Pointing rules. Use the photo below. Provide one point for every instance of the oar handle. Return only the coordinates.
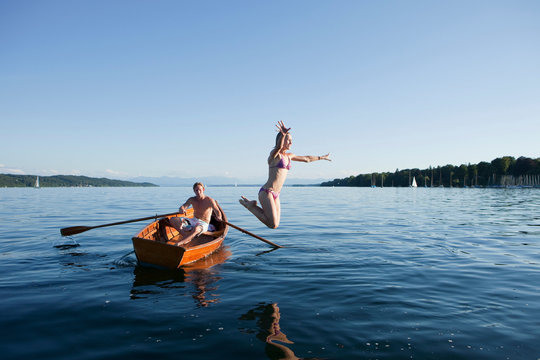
(255, 236)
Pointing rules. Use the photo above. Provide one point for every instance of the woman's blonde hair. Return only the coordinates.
(279, 138)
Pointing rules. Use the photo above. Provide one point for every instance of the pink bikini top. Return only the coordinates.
(281, 163)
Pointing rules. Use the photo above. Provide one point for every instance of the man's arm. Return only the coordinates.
(217, 211)
(186, 205)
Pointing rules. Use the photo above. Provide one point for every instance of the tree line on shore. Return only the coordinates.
(503, 171)
(10, 180)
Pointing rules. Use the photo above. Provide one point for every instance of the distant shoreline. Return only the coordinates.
(33, 181)
(504, 172)
(73, 181)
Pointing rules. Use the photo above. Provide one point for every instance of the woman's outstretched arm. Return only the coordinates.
(310, 158)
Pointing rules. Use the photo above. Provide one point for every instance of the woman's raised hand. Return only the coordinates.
(326, 157)
(282, 128)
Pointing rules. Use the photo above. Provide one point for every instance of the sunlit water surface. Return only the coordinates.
(389, 273)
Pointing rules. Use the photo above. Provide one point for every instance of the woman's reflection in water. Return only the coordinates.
(202, 274)
(267, 317)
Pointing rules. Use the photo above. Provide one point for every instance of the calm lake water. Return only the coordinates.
(393, 273)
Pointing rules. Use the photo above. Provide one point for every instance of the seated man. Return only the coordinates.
(203, 206)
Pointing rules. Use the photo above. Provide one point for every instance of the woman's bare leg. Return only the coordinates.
(278, 210)
(270, 208)
(267, 213)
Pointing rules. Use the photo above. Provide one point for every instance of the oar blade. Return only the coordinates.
(74, 230)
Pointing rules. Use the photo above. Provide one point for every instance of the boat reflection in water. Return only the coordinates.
(202, 274)
(267, 318)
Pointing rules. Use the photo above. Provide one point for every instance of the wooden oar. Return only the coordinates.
(79, 229)
(251, 234)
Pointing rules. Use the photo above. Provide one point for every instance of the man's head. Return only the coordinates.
(198, 189)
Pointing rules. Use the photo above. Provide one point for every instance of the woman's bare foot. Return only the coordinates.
(248, 204)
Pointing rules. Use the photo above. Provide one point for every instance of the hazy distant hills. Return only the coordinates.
(217, 180)
(177, 181)
(10, 180)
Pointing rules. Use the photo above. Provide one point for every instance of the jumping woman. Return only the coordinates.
(279, 163)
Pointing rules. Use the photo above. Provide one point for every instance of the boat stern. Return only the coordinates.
(157, 254)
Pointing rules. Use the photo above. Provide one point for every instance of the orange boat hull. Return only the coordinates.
(154, 253)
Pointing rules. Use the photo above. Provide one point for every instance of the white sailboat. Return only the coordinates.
(37, 183)
(414, 182)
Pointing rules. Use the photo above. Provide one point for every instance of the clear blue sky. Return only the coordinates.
(193, 88)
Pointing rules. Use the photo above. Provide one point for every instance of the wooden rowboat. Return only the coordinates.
(153, 251)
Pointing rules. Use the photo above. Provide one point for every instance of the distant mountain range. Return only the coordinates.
(217, 181)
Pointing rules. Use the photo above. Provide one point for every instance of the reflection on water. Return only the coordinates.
(66, 246)
(267, 251)
(149, 281)
(267, 318)
(203, 274)
(72, 257)
(62, 243)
